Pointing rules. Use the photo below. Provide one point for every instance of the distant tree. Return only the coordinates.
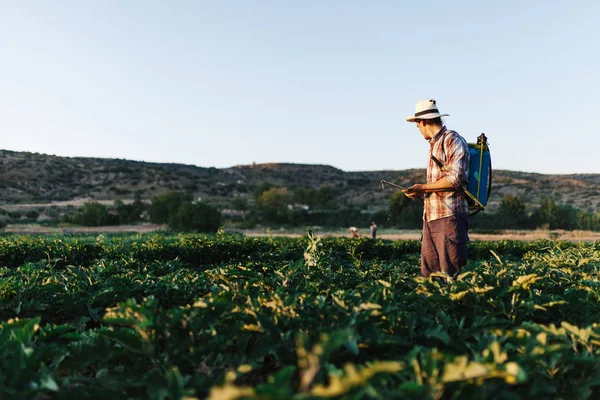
(404, 212)
(16, 215)
(53, 213)
(239, 203)
(4, 220)
(589, 221)
(199, 217)
(263, 187)
(274, 198)
(567, 217)
(166, 205)
(324, 197)
(139, 207)
(126, 213)
(512, 213)
(305, 195)
(511, 205)
(555, 216)
(32, 214)
(94, 214)
(272, 205)
(545, 214)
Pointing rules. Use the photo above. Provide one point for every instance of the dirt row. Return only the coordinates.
(573, 236)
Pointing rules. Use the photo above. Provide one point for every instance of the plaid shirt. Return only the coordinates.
(452, 151)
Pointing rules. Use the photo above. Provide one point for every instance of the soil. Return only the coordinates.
(33, 229)
(572, 236)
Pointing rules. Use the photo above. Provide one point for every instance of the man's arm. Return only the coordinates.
(456, 171)
(421, 188)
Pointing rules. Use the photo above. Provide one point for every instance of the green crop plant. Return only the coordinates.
(225, 316)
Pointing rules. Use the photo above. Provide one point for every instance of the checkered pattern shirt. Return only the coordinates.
(453, 152)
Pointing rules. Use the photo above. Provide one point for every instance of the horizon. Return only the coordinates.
(275, 163)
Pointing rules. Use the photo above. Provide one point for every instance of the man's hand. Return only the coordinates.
(415, 191)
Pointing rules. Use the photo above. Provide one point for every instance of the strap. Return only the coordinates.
(438, 163)
(443, 145)
(481, 151)
(490, 181)
(434, 158)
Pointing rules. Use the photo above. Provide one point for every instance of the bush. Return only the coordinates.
(4, 220)
(272, 205)
(53, 213)
(166, 205)
(199, 217)
(404, 212)
(94, 214)
(32, 214)
(128, 213)
(240, 203)
(15, 214)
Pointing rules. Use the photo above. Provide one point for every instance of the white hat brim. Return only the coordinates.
(412, 118)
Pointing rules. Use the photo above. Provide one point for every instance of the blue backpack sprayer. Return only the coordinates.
(479, 181)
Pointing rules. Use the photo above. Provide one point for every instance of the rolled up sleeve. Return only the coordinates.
(458, 161)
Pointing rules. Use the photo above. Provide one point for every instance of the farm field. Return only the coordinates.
(229, 316)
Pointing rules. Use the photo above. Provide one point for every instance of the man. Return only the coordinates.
(373, 228)
(445, 212)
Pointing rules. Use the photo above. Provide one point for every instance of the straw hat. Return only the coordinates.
(425, 109)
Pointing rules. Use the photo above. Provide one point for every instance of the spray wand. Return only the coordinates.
(383, 183)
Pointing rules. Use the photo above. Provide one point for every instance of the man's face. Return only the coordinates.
(421, 127)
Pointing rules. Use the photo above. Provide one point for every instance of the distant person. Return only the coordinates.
(354, 232)
(445, 212)
(373, 228)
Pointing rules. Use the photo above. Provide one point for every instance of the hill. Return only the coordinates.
(40, 178)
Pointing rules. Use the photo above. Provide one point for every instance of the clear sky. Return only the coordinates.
(221, 83)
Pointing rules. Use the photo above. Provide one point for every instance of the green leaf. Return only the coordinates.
(176, 383)
(48, 383)
(352, 346)
(439, 334)
(128, 339)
